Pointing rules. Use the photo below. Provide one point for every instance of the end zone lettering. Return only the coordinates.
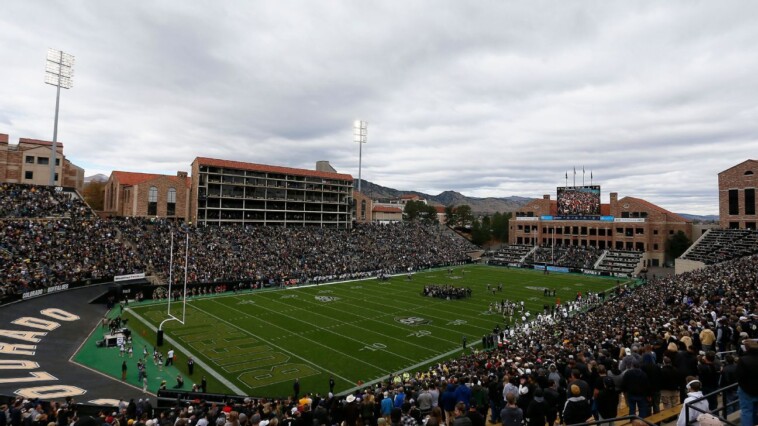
(40, 328)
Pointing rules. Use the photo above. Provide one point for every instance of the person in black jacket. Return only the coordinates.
(636, 387)
(747, 377)
(606, 396)
(729, 377)
(654, 375)
(537, 409)
(708, 375)
(671, 383)
(552, 400)
(577, 408)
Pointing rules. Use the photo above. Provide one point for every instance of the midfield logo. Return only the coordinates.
(412, 321)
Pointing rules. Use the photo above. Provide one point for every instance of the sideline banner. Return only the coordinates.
(128, 277)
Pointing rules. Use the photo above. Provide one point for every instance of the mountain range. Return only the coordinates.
(478, 205)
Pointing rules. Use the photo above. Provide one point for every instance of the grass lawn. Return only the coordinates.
(257, 343)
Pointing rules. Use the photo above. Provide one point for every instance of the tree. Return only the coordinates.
(481, 232)
(94, 194)
(418, 210)
(465, 217)
(677, 245)
(451, 217)
(500, 226)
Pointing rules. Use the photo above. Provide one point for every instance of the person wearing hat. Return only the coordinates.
(577, 408)
(747, 378)
(689, 413)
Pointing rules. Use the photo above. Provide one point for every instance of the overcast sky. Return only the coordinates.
(488, 98)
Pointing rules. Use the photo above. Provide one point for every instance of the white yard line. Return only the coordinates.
(351, 324)
(314, 341)
(199, 361)
(268, 342)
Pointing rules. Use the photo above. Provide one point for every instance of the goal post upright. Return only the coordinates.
(170, 316)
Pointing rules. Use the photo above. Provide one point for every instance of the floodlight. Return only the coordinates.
(59, 72)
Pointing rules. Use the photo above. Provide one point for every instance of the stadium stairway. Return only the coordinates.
(531, 252)
(600, 259)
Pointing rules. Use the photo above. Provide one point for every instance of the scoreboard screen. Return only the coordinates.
(579, 201)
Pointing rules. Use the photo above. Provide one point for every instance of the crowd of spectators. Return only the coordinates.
(655, 344)
(35, 254)
(48, 239)
(276, 255)
(34, 201)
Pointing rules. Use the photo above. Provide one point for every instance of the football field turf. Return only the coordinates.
(356, 332)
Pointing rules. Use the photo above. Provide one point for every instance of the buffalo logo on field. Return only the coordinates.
(412, 321)
(326, 299)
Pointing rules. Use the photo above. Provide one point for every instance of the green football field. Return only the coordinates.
(258, 343)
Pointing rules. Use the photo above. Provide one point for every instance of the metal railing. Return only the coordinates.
(724, 409)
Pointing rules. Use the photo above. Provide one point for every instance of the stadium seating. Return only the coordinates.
(720, 245)
(510, 254)
(620, 262)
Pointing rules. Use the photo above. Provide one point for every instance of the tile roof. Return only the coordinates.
(39, 142)
(135, 178)
(385, 209)
(671, 216)
(239, 165)
(753, 162)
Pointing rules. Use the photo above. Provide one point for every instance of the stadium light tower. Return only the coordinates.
(360, 131)
(59, 72)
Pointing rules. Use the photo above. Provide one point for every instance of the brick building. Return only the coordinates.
(737, 203)
(225, 192)
(386, 214)
(364, 207)
(147, 195)
(29, 162)
(628, 223)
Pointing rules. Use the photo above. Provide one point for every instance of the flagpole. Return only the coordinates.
(574, 176)
(582, 175)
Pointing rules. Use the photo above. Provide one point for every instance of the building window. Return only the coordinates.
(734, 202)
(28, 175)
(750, 201)
(363, 209)
(57, 161)
(152, 201)
(29, 159)
(43, 160)
(56, 177)
(171, 202)
(750, 225)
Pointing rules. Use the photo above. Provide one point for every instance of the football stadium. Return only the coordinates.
(252, 291)
(378, 213)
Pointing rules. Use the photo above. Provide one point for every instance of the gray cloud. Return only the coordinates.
(492, 99)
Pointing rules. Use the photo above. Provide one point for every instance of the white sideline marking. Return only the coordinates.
(199, 361)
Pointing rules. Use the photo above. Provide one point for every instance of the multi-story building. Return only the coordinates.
(225, 192)
(29, 162)
(364, 207)
(628, 223)
(147, 195)
(737, 204)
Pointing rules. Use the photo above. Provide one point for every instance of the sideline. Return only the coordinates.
(76, 352)
(198, 361)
